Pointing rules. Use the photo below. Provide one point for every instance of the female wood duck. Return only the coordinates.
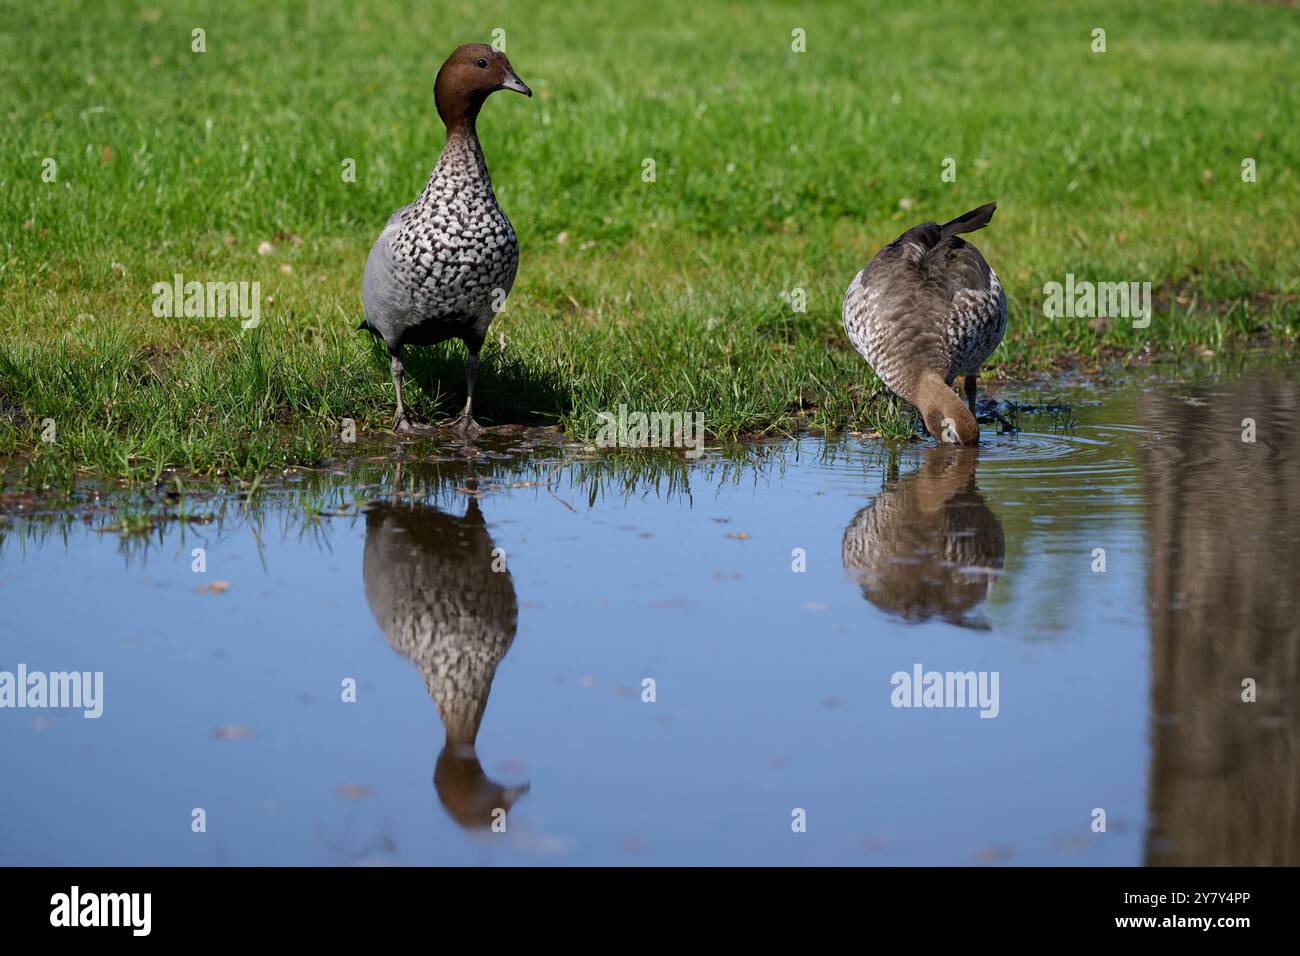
(926, 309)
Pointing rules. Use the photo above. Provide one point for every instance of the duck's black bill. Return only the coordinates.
(514, 83)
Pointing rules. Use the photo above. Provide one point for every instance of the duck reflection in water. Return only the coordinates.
(431, 586)
(929, 545)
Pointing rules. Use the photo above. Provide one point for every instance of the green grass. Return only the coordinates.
(775, 170)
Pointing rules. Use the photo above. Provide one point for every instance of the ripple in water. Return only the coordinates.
(1098, 456)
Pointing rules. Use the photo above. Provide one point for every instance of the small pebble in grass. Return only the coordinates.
(264, 248)
(286, 268)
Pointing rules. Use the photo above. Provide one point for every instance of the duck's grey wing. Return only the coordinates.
(927, 300)
(946, 263)
(953, 266)
(889, 313)
(977, 305)
(387, 304)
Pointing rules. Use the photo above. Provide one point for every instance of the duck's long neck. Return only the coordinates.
(946, 415)
(947, 472)
(461, 160)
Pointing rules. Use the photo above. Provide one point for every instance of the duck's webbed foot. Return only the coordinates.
(465, 426)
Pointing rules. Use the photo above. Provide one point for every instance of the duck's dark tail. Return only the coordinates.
(968, 221)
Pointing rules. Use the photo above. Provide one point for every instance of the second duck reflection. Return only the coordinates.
(929, 545)
(923, 548)
(424, 573)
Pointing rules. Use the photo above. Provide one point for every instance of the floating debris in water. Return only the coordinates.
(631, 843)
(1070, 843)
(994, 854)
(232, 732)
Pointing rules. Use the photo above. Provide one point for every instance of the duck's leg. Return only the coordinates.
(401, 421)
(970, 400)
(465, 426)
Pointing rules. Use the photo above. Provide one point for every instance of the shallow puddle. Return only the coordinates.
(579, 657)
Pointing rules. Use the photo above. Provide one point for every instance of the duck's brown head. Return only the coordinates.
(947, 418)
(474, 801)
(471, 74)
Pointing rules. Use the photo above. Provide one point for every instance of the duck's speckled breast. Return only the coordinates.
(454, 252)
